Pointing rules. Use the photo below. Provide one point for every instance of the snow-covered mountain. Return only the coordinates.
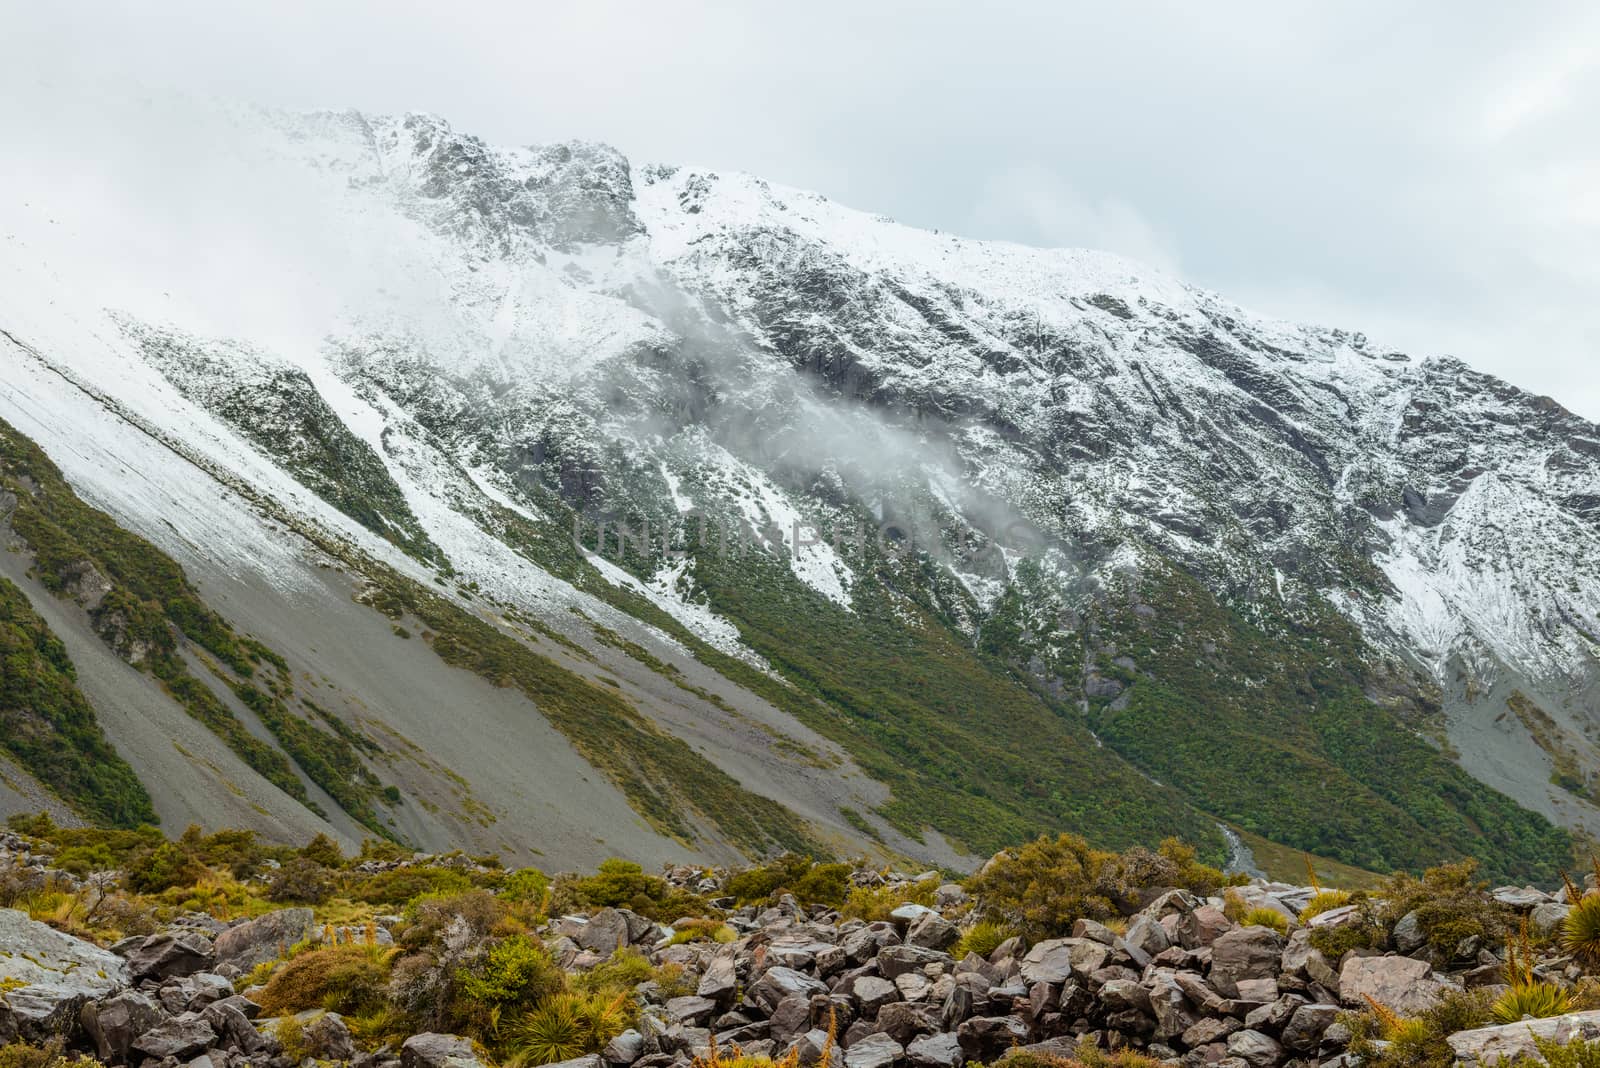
(953, 541)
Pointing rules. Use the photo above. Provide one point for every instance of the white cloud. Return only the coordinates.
(1032, 204)
(1436, 173)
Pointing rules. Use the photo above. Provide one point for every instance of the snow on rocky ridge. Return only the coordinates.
(465, 308)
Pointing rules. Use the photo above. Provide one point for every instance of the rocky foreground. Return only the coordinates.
(1179, 981)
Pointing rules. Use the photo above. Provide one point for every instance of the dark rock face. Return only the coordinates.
(171, 953)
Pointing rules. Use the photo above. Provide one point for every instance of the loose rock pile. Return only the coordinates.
(1181, 982)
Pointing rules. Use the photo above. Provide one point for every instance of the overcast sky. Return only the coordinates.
(1427, 172)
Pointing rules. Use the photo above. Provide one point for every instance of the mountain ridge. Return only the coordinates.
(551, 336)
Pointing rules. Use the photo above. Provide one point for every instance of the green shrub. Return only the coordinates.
(49, 726)
(162, 868)
(1324, 901)
(702, 930)
(349, 980)
(624, 884)
(515, 972)
(403, 885)
(1451, 905)
(1580, 930)
(25, 1055)
(1576, 1055)
(1381, 1039)
(1265, 917)
(527, 886)
(875, 903)
(301, 881)
(1538, 1000)
(324, 851)
(811, 883)
(564, 1027)
(982, 938)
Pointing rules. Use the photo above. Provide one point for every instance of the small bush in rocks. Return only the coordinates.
(1451, 904)
(1580, 931)
(24, 1055)
(624, 884)
(1381, 1039)
(1050, 883)
(349, 980)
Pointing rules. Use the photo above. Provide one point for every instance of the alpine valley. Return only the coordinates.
(950, 542)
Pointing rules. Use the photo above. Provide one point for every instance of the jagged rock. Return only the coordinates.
(692, 1010)
(985, 1037)
(809, 1047)
(873, 1051)
(181, 1036)
(1403, 984)
(1306, 1027)
(1408, 934)
(1125, 995)
(232, 1024)
(588, 1060)
(911, 912)
(44, 1011)
(263, 938)
(605, 933)
(790, 1019)
(933, 931)
(1257, 991)
(1485, 1046)
(1255, 1049)
(1202, 926)
(720, 979)
(1209, 1030)
(433, 1050)
(1244, 953)
(1521, 898)
(167, 954)
(778, 983)
(624, 1048)
(905, 1021)
(1146, 934)
(1302, 959)
(327, 1038)
(1059, 959)
(1547, 917)
(872, 992)
(936, 1051)
(894, 961)
(113, 1023)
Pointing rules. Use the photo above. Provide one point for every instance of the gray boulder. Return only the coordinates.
(1256, 1049)
(263, 938)
(327, 1038)
(1244, 953)
(1488, 1045)
(40, 954)
(169, 954)
(1403, 984)
(606, 932)
(776, 984)
(873, 1051)
(432, 1050)
(180, 1037)
(936, 1051)
(1304, 1031)
(1059, 959)
(113, 1023)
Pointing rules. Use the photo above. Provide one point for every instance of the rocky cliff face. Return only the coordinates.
(1015, 522)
